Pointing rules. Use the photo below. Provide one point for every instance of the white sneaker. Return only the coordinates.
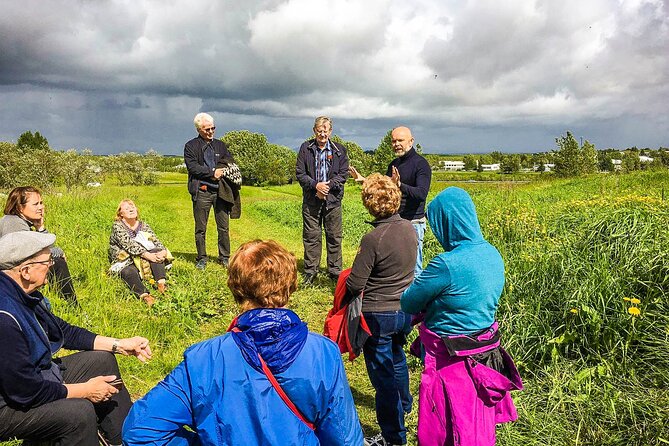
(378, 440)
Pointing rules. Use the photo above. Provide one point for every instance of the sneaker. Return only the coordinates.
(223, 263)
(201, 264)
(377, 440)
(334, 277)
(309, 279)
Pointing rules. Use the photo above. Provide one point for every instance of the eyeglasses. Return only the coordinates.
(210, 129)
(48, 262)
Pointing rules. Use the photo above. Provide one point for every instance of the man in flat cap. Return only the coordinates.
(65, 400)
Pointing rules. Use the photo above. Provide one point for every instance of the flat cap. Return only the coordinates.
(16, 247)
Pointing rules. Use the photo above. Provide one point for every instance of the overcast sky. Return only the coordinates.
(466, 76)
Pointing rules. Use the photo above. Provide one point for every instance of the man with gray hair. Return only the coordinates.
(322, 170)
(63, 400)
(202, 155)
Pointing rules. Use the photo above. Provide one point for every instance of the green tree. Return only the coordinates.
(76, 170)
(130, 168)
(470, 162)
(260, 162)
(383, 154)
(510, 164)
(356, 156)
(588, 158)
(571, 159)
(29, 142)
(630, 161)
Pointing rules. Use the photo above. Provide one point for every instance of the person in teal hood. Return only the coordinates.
(460, 288)
(223, 394)
(465, 385)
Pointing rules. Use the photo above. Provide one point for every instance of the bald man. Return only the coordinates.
(412, 173)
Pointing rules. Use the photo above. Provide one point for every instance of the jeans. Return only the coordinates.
(388, 371)
(204, 200)
(313, 218)
(420, 233)
(72, 421)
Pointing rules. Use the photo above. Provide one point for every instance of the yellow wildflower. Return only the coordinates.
(152, 281)
(634, 311)
(634, 300)
(574, 311)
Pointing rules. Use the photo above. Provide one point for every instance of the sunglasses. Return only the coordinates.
(210, 129)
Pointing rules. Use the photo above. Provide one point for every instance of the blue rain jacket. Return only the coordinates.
(459, 289)
(221, 394)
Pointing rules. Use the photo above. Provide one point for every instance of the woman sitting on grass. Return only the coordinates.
(136, 253)
(464, 389)
(222, 391)
(25, 211)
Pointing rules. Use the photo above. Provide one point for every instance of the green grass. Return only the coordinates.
(574, 250)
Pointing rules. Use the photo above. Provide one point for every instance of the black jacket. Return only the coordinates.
(383, 267)
(306, 173)
(194, 159)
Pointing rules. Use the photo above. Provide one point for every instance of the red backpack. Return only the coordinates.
(345, 324)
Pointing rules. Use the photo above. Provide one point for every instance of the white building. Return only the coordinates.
(490, 167)
(645, 159)
(452, 165)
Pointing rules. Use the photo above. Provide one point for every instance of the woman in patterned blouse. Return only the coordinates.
(136, 253)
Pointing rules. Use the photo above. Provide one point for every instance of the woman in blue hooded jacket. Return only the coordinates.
(467, 376)
(221, 392)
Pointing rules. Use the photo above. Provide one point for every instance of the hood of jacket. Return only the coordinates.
(453, 220)
(277, 334)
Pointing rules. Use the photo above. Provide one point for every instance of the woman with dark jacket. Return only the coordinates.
(25, 211)
(382, 270)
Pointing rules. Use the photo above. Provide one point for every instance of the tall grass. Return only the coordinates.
(579, 254)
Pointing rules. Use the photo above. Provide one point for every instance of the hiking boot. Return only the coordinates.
(377, 440)
(201, 264)
(309, 279)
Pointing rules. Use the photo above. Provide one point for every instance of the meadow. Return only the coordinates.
(585, 310)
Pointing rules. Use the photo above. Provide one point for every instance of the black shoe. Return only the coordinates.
(334, 277)
(309, 279)
(201, 264)
(223, 263)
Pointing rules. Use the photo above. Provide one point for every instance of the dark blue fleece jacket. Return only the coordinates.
(29, 336)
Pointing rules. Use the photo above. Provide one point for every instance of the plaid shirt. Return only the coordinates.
(323, 162)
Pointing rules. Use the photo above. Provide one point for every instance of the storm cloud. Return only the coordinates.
(466, 76)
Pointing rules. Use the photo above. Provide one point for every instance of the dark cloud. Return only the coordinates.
(467, 76)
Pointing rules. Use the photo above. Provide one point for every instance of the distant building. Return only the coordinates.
(547, 167)
(452, 165)
(617, 164)
(490, 167)
(645, 159)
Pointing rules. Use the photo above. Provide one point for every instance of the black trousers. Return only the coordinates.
(59, 275)
(130, 275)
(73, 421)
(313, 218)
(204, 200)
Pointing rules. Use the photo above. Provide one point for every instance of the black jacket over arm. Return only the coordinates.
(194, 159)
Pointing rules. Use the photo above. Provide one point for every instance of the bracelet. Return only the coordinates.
(114, 349)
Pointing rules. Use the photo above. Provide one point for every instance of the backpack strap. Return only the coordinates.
(270, 376)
